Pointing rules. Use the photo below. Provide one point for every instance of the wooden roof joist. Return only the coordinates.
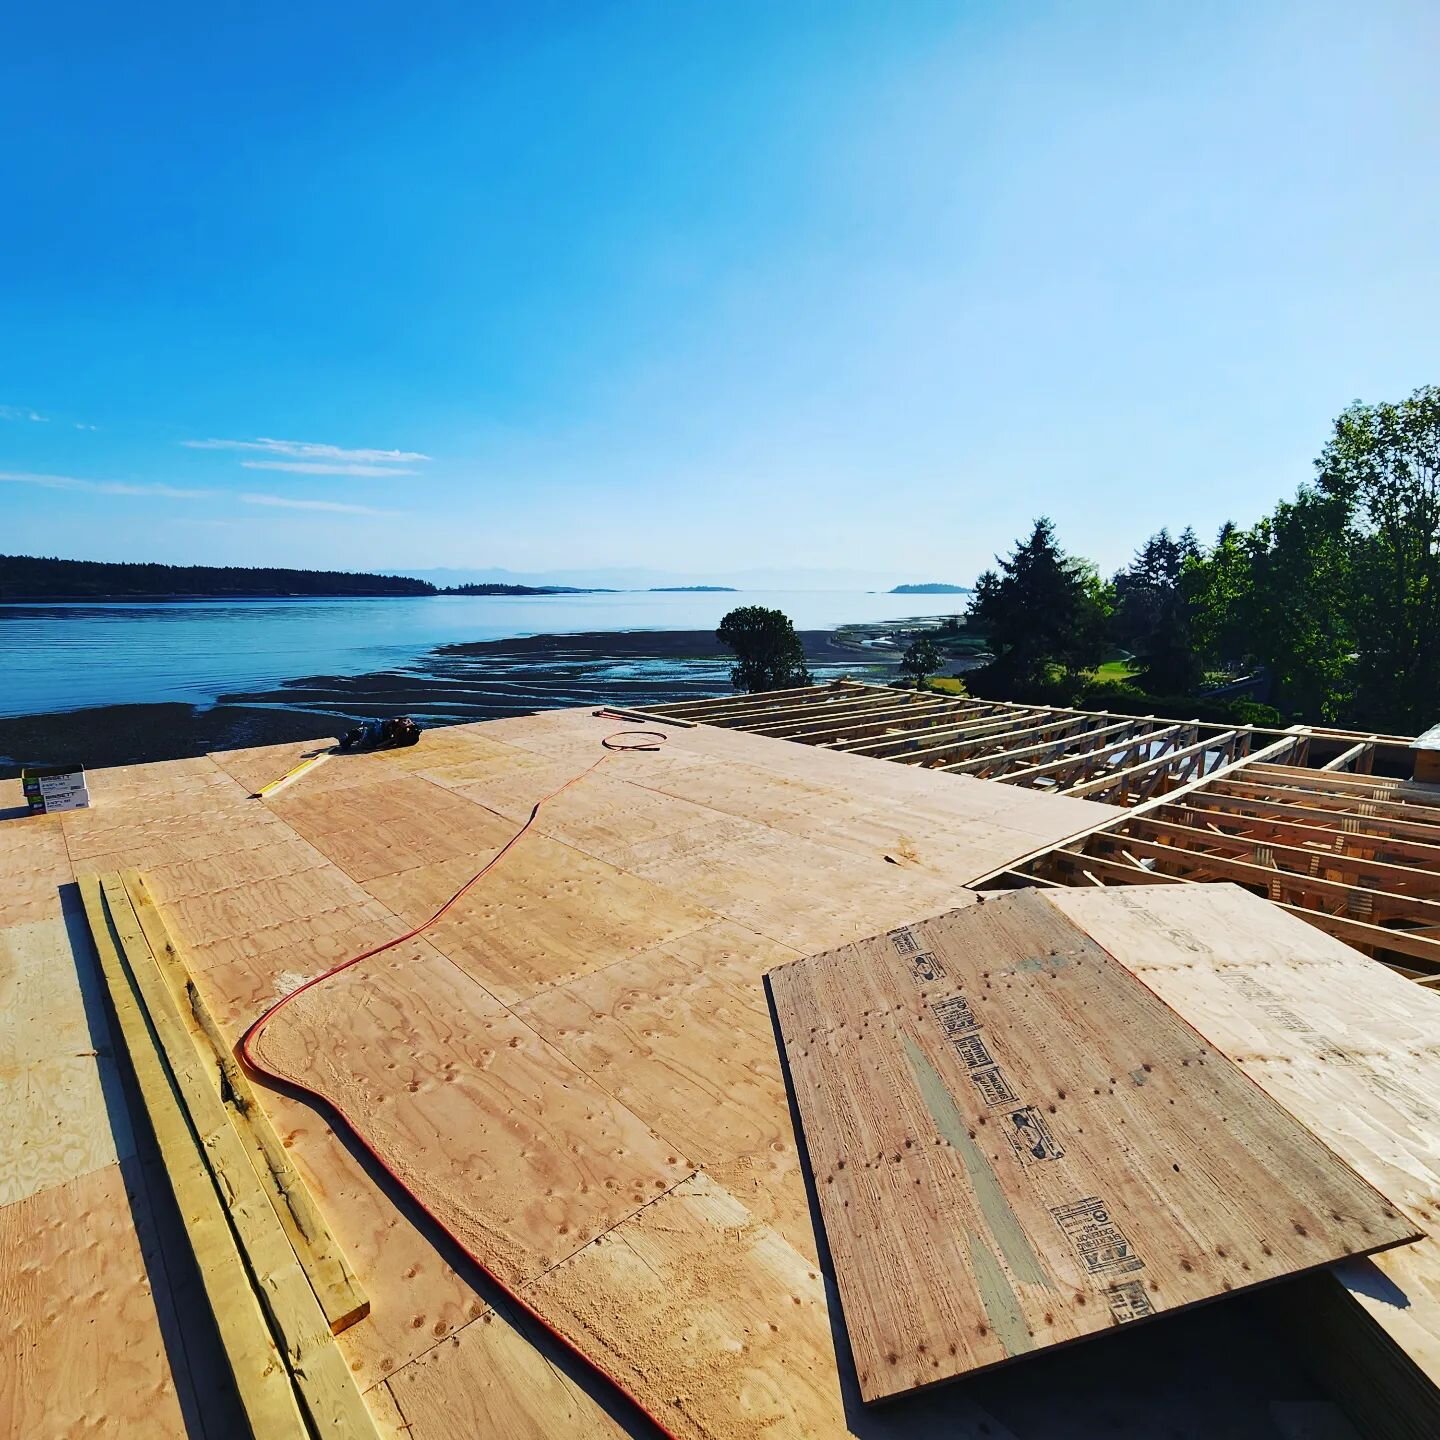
(1134, 733)
(1260, 820)
(1308, 860)
(799, 725)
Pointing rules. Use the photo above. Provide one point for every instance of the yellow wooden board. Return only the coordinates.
(1014, 1144)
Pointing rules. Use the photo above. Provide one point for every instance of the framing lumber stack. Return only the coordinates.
(277, 1289)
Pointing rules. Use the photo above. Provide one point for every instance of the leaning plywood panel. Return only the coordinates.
(1345, 1045)
(1015, 1144)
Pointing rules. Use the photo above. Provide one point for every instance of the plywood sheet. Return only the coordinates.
(546, 916)
(522, 1157)
(61, 1111)
(720, 1329)
(1349, 1048)
(1014, 1144)
(487, 1379)
(73, 1282)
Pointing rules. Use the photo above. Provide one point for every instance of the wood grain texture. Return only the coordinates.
(721, 1329)
(326, 1266)
(520, 1154)
(1347, 1047)
(73, 1280)
(487, 1379)
(243, 891)
(61, 1114)
(327, 1392)
(260, 1377)
(1015, 1144)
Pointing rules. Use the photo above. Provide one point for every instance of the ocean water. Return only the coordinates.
(71, 656)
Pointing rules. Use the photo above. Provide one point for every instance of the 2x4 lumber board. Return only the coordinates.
(1362, 787)
(871, 724)
(894, 747)
(815, 697)
(718, 704)
(1099, 869)
(1164, 763)
(801, 715)
(1343, 1045)
(1377, 875)
(1015, 1144)
(331, 1277)
(1071, 766)
(1240, 823)
(984, 765)
(968, 712)
(327, 1390)
(1349, 759)
(1284, 746)
(1062, 732)
(262, 1381)
(1418, 818)
(1372, 903)
(961, 749)
(787, 727)
(1363, 829)
(1121, 755)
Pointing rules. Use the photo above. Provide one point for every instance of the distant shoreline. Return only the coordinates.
(450, 684)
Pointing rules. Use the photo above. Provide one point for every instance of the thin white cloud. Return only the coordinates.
(22, 412)
(174, 492)
(310, 467)
(103, 487)
(81, 425)
(336, 507)
(309, 450)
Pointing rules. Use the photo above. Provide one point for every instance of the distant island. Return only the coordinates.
(31, 577)
(932, 587)
(693, 590)
(489, 589)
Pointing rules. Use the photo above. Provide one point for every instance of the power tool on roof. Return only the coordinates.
(391, 734)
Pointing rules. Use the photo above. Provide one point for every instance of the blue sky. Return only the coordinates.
(701, 287)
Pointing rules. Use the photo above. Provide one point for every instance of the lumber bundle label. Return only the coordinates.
(1015, 1144)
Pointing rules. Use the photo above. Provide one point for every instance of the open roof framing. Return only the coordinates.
(1296, 815)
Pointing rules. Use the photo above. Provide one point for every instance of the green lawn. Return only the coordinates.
(1116, 670)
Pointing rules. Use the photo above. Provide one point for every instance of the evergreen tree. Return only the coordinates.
(1042, 609)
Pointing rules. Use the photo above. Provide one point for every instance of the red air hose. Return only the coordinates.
(620, 740)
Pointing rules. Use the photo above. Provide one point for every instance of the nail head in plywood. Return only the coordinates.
(1015, 1144)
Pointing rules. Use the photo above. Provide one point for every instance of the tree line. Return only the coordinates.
(1334, 597)
(1332, 603)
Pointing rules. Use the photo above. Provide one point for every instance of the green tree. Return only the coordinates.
(1152, 616)
(1281, 595)
(1382, 465)
(1042, 609)
(921, 659)
(768, 652)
